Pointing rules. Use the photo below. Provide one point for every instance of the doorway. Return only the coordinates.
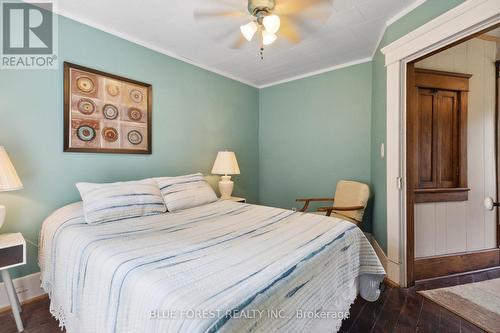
(452, 158)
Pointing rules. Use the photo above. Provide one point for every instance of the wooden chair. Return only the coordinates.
(349, 202)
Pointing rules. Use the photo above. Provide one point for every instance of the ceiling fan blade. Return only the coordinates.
(289, 31)
(289, 7)
(239, 43)
(236, 4)
(306, 26)
(200, 15)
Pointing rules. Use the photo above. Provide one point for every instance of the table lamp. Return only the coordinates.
(9, 180)
(225, 165)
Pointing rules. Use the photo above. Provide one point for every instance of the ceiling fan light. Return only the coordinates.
(248, 30)
(268, 37)
(272, 23)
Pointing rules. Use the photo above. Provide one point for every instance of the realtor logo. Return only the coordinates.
(28, 36)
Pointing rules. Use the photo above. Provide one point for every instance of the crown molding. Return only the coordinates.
(313, 73)
(147, 45)
(393, 19)
(405, 11)
(174, 55)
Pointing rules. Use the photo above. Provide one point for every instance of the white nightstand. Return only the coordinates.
(12, 254)
(236, 199)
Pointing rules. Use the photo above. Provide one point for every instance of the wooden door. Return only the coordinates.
(437, 107)
(439, 115)
(438, 138)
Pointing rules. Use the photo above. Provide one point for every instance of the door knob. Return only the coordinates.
(489, 204)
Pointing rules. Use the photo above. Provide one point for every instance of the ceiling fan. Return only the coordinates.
(270, 19)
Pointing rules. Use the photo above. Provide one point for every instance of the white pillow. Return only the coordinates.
(116, 201)
(185, 191)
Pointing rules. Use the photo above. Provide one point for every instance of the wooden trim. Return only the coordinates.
(460, 274)
(441, 195)
(427, 78)
(432, 267)
(315, 199)
(497, 157)
(411, 173)
(28, 301)
(489, 38)
(307, 201)
(67, 107)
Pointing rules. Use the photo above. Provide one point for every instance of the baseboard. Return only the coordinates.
(391, 268)
(390, 283)
(439, 266)
(378, 250)
(27, 288)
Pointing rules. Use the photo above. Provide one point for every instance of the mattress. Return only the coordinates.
(221, 267)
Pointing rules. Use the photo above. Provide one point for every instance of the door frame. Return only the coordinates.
(468, 18)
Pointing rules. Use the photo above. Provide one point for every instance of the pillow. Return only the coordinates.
(117, 201)
(185, 191)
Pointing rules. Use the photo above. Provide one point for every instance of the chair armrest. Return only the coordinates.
(329, 210)
(307, 201)
(346, 209)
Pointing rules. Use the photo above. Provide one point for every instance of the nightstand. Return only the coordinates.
(12, 254)
(237, 199)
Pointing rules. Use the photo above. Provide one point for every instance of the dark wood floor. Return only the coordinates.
(397, 310)
(403, 310)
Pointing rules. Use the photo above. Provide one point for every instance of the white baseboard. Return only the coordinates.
(380, 253)
(392, 268)
(27, 287)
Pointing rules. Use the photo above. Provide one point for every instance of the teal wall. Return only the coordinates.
(293, 140)
(422, 14)
(314, 132)
(195, 114)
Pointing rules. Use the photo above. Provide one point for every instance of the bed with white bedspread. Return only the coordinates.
(220, 267)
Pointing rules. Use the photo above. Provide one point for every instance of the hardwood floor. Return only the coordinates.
(397, 310)
(403, 310)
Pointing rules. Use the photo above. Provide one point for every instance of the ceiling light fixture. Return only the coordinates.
(272, 23)
(248, 30)
(268, 37)
(267, 19)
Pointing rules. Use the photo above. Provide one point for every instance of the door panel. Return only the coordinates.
(426, 105)
(447, 138)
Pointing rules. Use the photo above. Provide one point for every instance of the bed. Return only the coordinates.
(219, 267)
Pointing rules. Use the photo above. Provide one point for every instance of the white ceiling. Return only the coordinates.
(350, 35)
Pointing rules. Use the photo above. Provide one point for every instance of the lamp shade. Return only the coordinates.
(9, 180)
(226, 164)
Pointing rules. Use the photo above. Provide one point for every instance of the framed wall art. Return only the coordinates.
(105, 113)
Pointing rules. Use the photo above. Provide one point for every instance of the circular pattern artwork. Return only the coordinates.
(136, 95)
(110, 111)
(85, 133)
(113, 90)
(134, 114)
(134, 137)
(85, 84)
(86, 106)
(110, 134)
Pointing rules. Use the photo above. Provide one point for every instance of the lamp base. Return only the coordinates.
(226, 186)
(2, 215)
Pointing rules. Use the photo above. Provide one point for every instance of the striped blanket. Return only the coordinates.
(220, 267)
